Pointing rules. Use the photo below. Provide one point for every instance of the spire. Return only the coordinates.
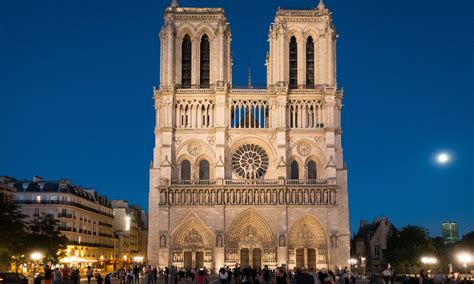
(250, 79)
(321, 5)
(174, 3)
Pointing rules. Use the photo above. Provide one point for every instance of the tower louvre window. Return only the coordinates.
(186, 63)
(204, 66)
(185, 170)
(293, 63)
(204, 170)
(309, 63)
(312, 174)
(294, 170)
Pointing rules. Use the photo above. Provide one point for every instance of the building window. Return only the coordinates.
(186, 63)
(185, 170)
(294, 170)
(38, 198)
(312, 174)
(309, 63)
(377, 250)
(293, 63)
(204, 170)
(205, 60)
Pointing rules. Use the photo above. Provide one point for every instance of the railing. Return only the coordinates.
(74, 204)
(105, 235)
(64, 215)
(248, 196)
(65, 229)
(85, 244)
(239, 182)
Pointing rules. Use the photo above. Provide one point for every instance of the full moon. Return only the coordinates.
(442, 158)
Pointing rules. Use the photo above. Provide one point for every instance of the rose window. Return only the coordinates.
(250, 161)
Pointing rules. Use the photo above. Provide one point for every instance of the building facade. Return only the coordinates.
(130, 226)
(85, 217)
(449, 232)
(248, 176)
(370, 242)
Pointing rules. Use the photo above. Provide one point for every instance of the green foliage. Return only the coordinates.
(12, 228)
(406, 247)
(45, 237)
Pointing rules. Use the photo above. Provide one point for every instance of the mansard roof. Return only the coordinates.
(62, 186)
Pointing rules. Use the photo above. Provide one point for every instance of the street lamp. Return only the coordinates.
(362, 264)
(464, 258)
(428, 260)
(352, 262)
(36, 257)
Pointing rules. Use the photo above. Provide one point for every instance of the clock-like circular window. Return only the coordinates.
(250, 161)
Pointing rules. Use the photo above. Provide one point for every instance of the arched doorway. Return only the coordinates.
(308, 244)
(250, 241)
(191, 244)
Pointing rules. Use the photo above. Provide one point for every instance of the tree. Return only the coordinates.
(13, 227)
(45, 236)
(406, 247)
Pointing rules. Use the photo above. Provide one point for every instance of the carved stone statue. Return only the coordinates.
(282, 241)
(162, 241)
(219, 241)
(334, 240)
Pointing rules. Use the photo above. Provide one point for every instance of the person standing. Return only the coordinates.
(223, 275)
(48, 275)
(281, 277)
(89, 274)
(173, 275)
(66, 274)
(387, 275)
(136, 273)
(267, 275)
(167, 274)
(201, 277)
(99, 278)
(237, 274)
(56, 276)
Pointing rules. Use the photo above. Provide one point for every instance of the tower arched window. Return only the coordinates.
(186, 62)
(205, 62)
(294, 170)
(312, 171)
(204, 170)
(293, 83)
(309, 63)
(185, 170)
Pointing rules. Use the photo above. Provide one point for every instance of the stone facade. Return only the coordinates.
(370, 242)
(249, 176)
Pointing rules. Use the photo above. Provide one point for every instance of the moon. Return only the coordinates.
(443, 158)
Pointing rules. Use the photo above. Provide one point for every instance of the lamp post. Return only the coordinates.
(36, 257)
(352, 262)
(464, 258)
(362, 264)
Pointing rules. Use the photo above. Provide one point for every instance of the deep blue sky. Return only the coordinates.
(76, 82)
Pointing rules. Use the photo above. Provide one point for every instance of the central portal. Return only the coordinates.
(251, 257)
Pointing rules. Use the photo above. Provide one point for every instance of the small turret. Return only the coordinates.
(321, 5)
(174, 3)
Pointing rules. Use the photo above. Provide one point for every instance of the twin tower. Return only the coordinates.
(248, 177)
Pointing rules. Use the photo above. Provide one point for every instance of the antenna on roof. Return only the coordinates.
(174, 3)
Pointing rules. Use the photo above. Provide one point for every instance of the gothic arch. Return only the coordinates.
(320, 164)
(298, 34)
(315, 150)
(191, 226)
(250, 228)
(311, 33)
(300, 166)
(306, 231)
(251, 139)
(204, 29)
(186, 29)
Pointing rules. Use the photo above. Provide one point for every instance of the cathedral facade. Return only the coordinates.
(245, 175)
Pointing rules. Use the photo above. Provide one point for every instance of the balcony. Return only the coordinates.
(62, 202)
(64, 215)
(65, 229)
(105, 224)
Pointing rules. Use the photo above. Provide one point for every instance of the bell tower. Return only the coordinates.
(302, 49)
(195, 48)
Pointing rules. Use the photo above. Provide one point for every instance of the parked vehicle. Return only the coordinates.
(12, 278)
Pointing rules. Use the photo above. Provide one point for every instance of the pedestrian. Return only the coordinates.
(423, 279)
(130, 275)
(89, 274)
(201, 277)
(237, 274)
(223, 275)
(167, 274)
(281, 277)
(305, 277)
(66, 274)
(48, 275)
(387, 274)
(173, 275)
(229, 275)
(267, 275)
(155, 275)
(99, 278)
(330, 278)
(107, 279)
(136, 274)
(57, 276)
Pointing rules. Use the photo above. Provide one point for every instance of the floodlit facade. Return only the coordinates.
(245, 175)
(85, 217)
(450, 232)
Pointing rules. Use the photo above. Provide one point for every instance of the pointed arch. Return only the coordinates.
(307, 231)
(250, 228)
(186, 61)
(204, 66)
(192, 234)
(309, 62)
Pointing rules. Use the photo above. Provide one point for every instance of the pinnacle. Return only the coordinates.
(174, 3)
(321, 5)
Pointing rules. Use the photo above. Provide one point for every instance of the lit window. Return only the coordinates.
(38, 198)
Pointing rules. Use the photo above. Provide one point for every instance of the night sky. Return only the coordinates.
(76, 80)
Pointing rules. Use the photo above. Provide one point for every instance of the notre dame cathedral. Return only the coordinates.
(245, 175)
